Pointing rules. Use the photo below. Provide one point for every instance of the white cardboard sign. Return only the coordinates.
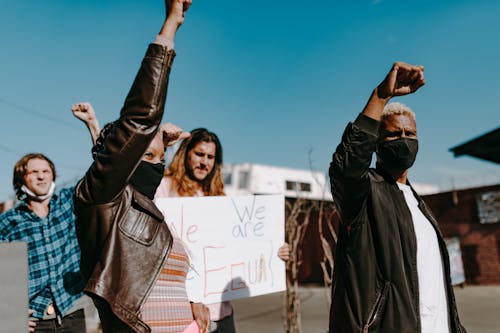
(232, 243)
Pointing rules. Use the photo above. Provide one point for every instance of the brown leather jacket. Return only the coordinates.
(123, 239)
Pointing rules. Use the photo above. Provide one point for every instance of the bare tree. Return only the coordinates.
(298, 218)
(300, 213)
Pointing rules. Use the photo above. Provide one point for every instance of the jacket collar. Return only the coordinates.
(146, 204)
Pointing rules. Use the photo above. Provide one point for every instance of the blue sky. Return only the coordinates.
(277, 81)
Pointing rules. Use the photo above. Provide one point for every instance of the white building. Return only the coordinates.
(248, 178)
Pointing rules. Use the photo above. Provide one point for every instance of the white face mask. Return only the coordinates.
(35, 197)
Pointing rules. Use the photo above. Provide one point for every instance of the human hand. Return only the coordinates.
(172, 134)
(84, 111)
(31, 321)
(202, 316)
(176, 9)
(284, 252)
(402, 79)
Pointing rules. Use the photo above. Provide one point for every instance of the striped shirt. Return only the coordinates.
(53, 252)
(218, 311)
(167, 308)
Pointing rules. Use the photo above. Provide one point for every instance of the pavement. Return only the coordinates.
(479, 308)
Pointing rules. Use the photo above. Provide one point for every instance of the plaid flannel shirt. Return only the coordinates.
(53, 252)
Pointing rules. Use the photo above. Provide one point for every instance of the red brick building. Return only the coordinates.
(458, 215)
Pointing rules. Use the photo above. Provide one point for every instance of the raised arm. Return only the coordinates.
(172, 134)
(175, 12)
(402, 79)
(352, 158)
(85, 112)
(117, 153)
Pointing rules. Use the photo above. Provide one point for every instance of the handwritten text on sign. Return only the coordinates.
(232, 243)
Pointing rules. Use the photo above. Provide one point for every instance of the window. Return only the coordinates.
(291, 186)
(243, 180)
(227, 178)
(305, 187)
(488, 206)
(297, 186)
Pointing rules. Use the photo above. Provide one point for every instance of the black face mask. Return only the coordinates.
(398, 154)
(147, 177)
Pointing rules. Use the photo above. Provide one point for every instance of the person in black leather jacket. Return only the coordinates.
(125, 243)
(392, 271)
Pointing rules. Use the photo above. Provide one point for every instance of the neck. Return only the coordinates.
(40, 208)
(402, 178)
(396, 175)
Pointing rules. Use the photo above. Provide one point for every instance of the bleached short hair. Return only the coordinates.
(396, 108)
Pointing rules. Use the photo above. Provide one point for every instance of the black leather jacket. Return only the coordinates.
(124, 241)
(375, 280)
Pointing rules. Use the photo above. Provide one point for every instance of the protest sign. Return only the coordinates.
(232, 243)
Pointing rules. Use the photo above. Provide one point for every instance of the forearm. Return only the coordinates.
(94, 130)
(351, 162)
(121, 150)
(175, 11)
(375, 105)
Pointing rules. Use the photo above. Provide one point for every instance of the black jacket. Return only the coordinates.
(122, 235)
(375, 279)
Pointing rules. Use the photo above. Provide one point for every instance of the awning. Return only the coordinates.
(486, 147)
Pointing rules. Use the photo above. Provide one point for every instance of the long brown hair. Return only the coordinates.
(177, 171)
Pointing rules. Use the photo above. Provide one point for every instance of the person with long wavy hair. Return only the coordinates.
(196, 168)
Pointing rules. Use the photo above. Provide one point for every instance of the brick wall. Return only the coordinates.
(457, 215)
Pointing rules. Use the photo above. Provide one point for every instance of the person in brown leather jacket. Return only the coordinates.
(127, 250)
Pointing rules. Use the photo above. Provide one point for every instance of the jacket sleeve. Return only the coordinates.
(350, 165)
(118, 154)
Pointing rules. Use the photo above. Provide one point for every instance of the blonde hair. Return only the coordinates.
(396, 108)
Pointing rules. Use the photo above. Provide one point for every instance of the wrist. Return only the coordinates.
(169, 29)
(375, 105)
(382, 95)
(163, 40)
(93, 125)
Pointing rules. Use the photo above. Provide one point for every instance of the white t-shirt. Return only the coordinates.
(431, 283)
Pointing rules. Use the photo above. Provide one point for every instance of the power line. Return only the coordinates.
(36, 113)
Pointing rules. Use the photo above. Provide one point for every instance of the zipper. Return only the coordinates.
(374, 312)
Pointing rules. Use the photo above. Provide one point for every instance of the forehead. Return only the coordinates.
(206, 147)
(37, 164)
(156, 145)
(398, 122)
